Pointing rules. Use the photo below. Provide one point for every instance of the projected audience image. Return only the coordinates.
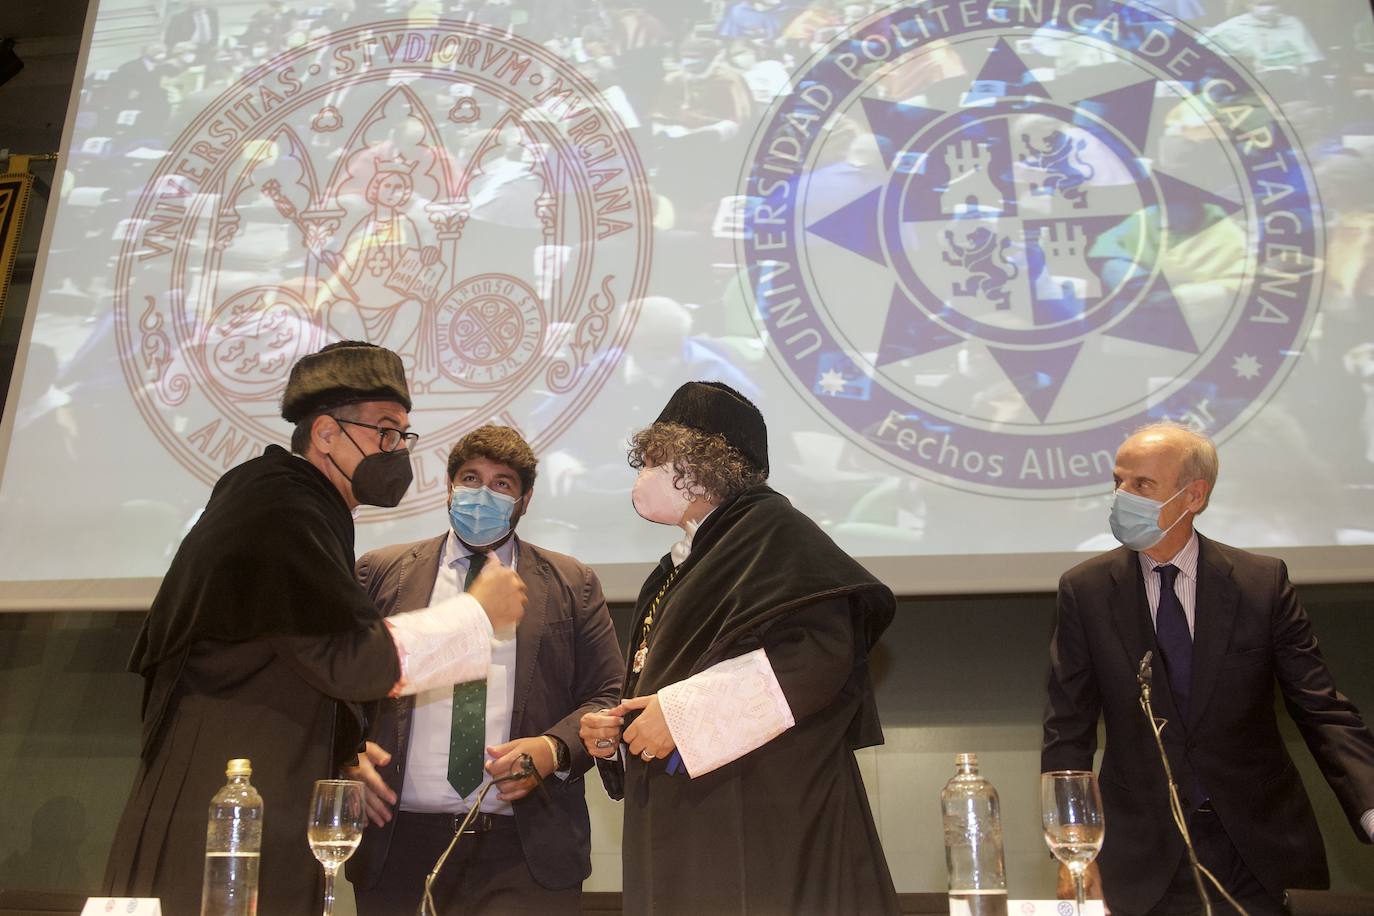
(955, 252)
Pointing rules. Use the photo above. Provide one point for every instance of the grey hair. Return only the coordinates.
(1200, 460)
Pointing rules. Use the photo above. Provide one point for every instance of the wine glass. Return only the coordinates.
(337, 816)
(1071, 811)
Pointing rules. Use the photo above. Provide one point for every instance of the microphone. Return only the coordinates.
(523, 769)
(1145, 677)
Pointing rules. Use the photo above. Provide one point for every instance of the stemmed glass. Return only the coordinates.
(337, 816)
(1071, 811)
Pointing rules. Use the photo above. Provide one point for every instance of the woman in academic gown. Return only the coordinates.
(747, 688)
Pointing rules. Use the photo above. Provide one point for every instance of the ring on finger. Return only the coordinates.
(604, 742)
(646, 756)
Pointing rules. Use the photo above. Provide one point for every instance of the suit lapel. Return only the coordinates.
(1214, 617)
(534, 573)
(1131, 609)
(414, 585)
(415, 579)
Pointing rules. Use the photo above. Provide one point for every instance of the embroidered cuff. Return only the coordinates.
(448, 643)
(726, 711)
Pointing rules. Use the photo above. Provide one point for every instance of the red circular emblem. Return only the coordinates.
(459, 195)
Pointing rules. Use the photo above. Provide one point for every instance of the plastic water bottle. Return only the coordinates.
(973, 842)
(233, 840)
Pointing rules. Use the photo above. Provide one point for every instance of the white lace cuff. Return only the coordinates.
(447, 643)
(724, 712)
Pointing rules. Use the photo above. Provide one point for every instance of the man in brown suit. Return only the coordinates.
(427, 757)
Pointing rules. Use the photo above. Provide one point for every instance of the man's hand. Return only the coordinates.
(506, 757)
(648, 735)
(501, 592)
(600, 733)
(1092, 883)
(380, 798)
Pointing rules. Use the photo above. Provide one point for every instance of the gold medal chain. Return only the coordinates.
(642, 655)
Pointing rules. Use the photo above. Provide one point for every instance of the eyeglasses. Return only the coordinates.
(388, 438)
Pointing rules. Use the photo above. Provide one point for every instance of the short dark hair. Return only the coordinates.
(502, 444)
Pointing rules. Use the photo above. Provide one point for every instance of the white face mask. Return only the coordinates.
(655, 497)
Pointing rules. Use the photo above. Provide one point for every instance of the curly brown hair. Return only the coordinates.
(702, 461)
(502, 444)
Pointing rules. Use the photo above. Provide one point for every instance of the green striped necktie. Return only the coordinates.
(467, 738)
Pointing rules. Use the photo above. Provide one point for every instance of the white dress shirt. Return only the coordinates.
(426, 787)
(1185, 584)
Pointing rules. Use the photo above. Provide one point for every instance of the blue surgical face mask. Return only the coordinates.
(1135, 519)
(480, 516)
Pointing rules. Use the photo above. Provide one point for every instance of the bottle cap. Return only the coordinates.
(239, 766)
(966, 760)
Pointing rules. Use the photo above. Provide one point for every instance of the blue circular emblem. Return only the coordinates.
(989, 239)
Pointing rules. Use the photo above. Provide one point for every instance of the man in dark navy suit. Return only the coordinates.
(1224, 625)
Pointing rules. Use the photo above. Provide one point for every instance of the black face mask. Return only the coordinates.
(380, 479)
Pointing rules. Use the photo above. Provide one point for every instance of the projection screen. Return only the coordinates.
(955, 250)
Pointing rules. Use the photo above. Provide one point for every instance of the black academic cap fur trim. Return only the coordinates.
(714, 407)
(344, 373)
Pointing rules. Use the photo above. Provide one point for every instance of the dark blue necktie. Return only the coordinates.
(1176, 645)
(1175, 641)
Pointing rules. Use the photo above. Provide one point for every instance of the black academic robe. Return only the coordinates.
(785, 829)
(257, 630)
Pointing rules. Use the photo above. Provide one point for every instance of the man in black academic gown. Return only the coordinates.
(259, 628)
(747, 689)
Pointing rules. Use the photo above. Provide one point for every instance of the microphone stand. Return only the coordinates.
(1144, 677)
(524, 769)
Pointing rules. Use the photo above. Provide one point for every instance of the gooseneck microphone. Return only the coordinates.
(522, 770)
(1145, 678)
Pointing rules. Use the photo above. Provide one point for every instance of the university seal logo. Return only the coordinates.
(452, 192)
(988, 239)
